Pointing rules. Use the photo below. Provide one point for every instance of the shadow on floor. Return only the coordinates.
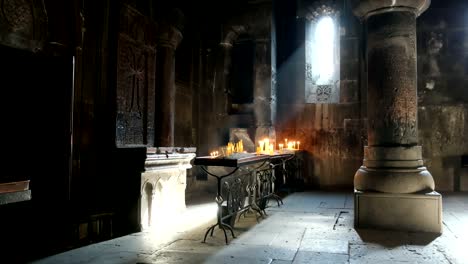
(389, 238)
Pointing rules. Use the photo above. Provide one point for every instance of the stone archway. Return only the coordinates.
(147, 204)
(264, 95)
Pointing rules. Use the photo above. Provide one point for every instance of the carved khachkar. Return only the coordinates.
(136, 62)
(23, 24)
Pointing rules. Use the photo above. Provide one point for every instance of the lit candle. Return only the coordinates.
(281, 146)
(298, 143)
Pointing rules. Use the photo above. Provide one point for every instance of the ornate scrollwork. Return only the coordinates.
(320, 9)
(23, 24)
(265, 187)
(18, 14)
(293, 171)
(309, 75)
(324, 92)
(235, 195)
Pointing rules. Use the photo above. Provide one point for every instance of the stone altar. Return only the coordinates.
(162, 189)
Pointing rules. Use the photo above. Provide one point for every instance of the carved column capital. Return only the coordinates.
(169, 36)
(233, 33)
(366, 8)
(319, 9)
(23, 24)
(226, 45)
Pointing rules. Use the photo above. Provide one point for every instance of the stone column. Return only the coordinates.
(393, 167)
(226, 53)
(262, 91)
(169, 38)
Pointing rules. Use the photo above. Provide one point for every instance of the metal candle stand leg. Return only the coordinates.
(219, 223)
(272, 183)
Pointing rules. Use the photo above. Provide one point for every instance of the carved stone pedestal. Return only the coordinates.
(393, 211)
(163, 188)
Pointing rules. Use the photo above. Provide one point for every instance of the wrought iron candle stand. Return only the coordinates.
(233, 192)
(241, 193)
(278, 160)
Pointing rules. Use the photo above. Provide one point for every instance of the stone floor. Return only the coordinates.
(311, 227)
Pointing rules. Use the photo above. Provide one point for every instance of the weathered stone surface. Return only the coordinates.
(183, 116)
(349, 70)
(392, 102)
(324, 245)
(163, 187)
(23, 24)
(306, 219)
(13, 197)
(364, 8)
(442, 130)
(349, 49)
(169, 37)
(394, 180)
(407, 212)
(349, 91)
(304, 257)
(135, 99)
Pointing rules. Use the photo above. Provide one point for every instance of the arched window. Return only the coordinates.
(322, 60)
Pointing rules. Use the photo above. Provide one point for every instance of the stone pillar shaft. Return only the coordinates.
(168, 41)
(262, 91)
(392, 86)
(165, 98)
(226, 54)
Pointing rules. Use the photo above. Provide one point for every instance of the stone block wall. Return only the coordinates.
(333, 135)
(443, 92)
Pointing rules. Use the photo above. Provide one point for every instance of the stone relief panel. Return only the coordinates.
(136, 62)
(23, 24)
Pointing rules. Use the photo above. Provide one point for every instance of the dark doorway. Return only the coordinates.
(35, 114)
(241, 83)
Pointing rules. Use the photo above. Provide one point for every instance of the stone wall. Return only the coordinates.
(208, 85)
(443, 92)
(333, 135)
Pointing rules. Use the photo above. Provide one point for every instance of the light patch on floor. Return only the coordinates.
(311, 227)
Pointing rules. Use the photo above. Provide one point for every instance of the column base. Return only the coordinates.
(403, 212)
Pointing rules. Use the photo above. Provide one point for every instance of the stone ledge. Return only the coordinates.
(404, 212)
(365, 8)
(14, 197)
(162, 188)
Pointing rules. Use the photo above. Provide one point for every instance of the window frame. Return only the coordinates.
(321, 93)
